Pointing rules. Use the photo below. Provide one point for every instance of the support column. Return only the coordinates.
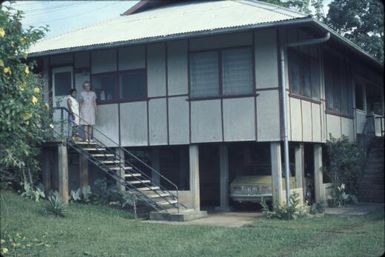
(299, 168)
(224, 177)
(156, 165)
(194, 176)
(83, 171)
(121, 172)
(318, 178)
(63, 172)
(46, 169)
(276, 172)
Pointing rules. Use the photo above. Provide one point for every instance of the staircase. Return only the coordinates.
(114, 162)
(371, 186)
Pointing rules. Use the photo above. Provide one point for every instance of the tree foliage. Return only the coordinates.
(310, 7)
(361, 21)
(21, 107)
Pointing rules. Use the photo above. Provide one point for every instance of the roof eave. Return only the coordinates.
(298, 21)
(348, 43)
(266, 25)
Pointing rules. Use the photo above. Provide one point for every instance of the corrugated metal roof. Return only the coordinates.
(170, 20)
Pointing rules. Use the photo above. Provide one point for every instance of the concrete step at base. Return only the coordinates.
(183, 215)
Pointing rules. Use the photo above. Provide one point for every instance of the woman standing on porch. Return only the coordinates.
(87, 109)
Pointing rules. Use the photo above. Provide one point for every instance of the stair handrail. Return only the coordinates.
(124, 150)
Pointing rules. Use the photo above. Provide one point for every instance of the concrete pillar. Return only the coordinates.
(156, 165)
(194, 176)
(224, 177)
(121, 172)
(276, 172)
(318, 178)
(46, 169)
(299, 167)
(63, 172)
(83, 170)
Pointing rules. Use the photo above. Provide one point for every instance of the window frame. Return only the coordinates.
(116, 76)
(219, 52)
(309, 59)
(344, 81)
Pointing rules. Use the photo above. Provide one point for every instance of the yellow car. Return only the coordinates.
(254, 188)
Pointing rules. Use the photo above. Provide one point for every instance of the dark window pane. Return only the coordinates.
(204, 74)
(294, 73)
(359, 96)
(237, 71)
(132, 85)
(104, 86)
(62, 83)
(315, 79)
(303, 74)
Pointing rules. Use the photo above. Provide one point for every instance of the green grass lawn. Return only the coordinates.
(90, 230)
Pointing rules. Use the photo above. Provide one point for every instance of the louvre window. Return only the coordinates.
(303, 74)
(120, 86)
(338, 86)
(218, 73)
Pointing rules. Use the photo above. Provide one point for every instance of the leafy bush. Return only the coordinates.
(344, 168)
(32, 192)
(56, 206)
(293, 211)
(317, 208)
(22, 109)
(82, 194)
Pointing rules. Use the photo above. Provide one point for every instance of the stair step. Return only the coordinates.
(158, 195)
(170, 202)
(85, 143)
(110, 161)
(130, 175)
(119, 168)
(148, 188)
(103, 155)
(94, 149)
(135, 182)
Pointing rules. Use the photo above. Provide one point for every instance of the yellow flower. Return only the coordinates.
(27, 116)
(26, 70)
(2, 241)
(22, 86)
(2, 32)
(34, 99)
(4, 250)
(7, 70)
(1, 63)
(36, 90)
(46, 106)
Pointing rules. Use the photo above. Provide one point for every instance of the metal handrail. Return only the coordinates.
(62, 109)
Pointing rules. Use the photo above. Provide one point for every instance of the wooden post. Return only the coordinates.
(46, 169)
(156, 165)
(83, 170)
(276, 172)
(224, 177)
(318, 178)
(299, 168)
(63, 172)
(194, 176)
(120, 172)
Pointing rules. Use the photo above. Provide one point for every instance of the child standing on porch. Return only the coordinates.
(87, 109)
(73, 118)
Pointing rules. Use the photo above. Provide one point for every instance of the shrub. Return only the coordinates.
(82, 194)
(33, 192)
(55, 205)
(293, 211)
(344, 167)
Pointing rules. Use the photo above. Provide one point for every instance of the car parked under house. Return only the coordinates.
(194, 88)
